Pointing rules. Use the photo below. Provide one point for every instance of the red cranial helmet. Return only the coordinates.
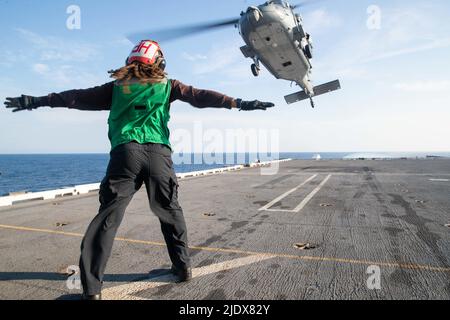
(148, 52)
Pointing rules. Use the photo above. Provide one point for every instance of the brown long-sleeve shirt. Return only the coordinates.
(100, 98)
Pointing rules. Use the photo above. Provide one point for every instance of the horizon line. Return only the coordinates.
(246, 152)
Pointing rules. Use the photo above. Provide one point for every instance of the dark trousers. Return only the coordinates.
(132, 165)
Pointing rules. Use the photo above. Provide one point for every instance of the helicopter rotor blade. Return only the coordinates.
(304, 3)
(180, 32)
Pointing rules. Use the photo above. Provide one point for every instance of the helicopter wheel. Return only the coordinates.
(255, 70)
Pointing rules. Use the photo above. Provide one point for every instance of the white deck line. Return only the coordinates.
(85, 189)
(129, 290)
(302, 204)
(311, 195)
(284, 195)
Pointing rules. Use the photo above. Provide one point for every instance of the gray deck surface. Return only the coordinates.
(386, 213)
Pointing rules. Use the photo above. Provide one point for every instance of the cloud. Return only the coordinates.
(61, 76)
(56, 49)
(60, 63)
(424, 86)
(40, 68)
(435, 44)
(121, 42)
(9, 58)
(404, 31)
(219, 58)
(193, 57)
(227, 61)
(319, 20)
(399, 23)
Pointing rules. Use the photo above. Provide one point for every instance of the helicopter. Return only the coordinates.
(274, 37)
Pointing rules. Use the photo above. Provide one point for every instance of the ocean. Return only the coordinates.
(33, 173)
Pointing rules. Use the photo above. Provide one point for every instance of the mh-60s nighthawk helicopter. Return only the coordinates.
(274, 37)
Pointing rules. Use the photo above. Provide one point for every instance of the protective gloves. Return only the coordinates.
(253, 105)
(25, 103)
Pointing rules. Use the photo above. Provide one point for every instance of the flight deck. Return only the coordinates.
(331, 229)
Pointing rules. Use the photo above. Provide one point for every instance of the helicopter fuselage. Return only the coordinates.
(274, 36)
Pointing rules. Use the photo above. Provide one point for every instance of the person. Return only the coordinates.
(139, 101)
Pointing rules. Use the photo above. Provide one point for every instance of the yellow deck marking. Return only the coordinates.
(253, 253)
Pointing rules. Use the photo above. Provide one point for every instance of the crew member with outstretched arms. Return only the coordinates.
(138, 102)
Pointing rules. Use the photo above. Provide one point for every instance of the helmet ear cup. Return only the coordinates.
(162, 64)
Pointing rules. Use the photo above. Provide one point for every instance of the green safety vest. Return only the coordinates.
(140, 113)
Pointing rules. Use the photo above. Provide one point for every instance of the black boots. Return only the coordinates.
(183, 275)
(86, 297)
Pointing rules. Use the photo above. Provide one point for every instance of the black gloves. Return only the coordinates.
(253, 105)
(25, 103)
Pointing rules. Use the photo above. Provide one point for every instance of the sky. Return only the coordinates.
(391, 56)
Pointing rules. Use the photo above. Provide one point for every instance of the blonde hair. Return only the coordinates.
(139, 71)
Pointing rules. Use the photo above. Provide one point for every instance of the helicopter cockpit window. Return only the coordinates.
(280, 2)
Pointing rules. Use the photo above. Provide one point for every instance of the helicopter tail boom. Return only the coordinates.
(319, 90)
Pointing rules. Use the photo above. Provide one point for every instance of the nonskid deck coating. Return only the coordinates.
(360, 215)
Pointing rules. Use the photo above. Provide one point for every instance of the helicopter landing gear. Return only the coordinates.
(255, 66)
(255, 70)
(313, 105)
